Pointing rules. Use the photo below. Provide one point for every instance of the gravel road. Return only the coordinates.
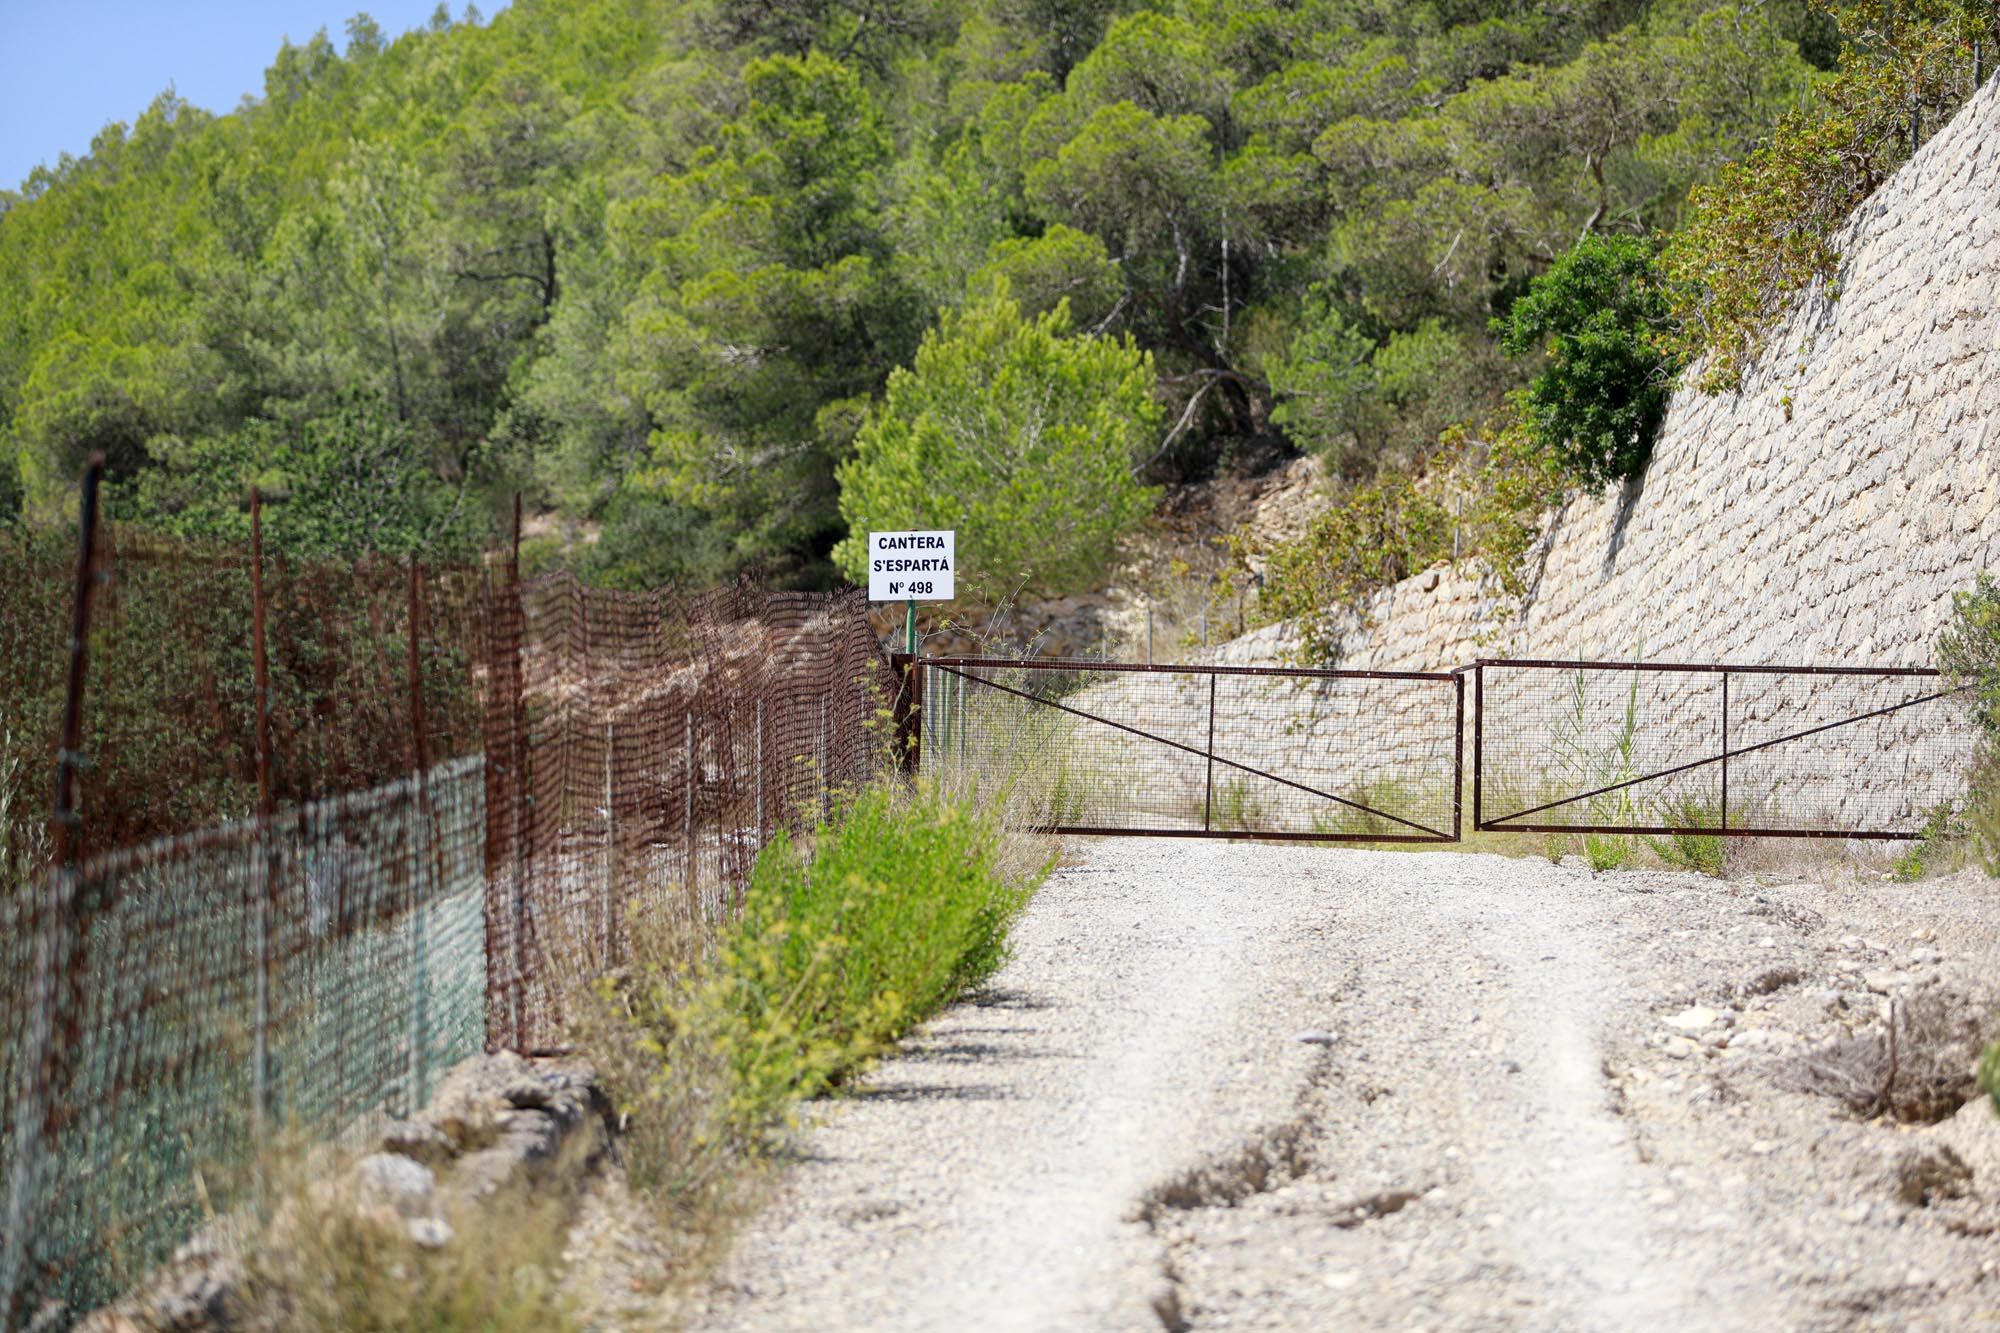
(1253, 1086)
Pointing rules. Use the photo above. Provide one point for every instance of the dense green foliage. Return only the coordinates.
(1763, 231)
(1968, 653)
(903, 901)
(1598, 403)
(1022, 438)
(655, 260)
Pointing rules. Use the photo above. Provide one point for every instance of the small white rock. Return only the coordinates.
(430, 1233)
(1693, 1020)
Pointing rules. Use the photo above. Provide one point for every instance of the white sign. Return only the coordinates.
(911, 566)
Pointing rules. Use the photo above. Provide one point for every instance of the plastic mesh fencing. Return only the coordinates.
(1181, 751)
(1643, 748)
(298, 970)
(170, 713)
(644, 747)
(191, 998)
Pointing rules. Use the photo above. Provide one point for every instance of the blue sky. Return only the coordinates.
(70, 67)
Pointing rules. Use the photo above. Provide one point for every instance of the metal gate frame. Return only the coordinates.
(1481, 822)
(908, 726)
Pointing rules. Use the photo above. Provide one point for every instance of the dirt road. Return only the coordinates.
(1245, 1086)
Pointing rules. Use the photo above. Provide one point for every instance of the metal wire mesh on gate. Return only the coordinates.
(1338, 756)
(1604, 747)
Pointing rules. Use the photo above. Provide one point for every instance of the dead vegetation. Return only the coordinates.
(330, 1267)
(1916, 1067)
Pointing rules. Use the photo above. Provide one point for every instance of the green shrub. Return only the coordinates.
(1762, 232)
(900, 909)
(1607, 851)
(902, 901)
(1021, 436)
(1686, 848)
(1378, 534)
(1598, 403)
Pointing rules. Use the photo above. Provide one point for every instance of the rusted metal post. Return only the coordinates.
(1208, 804)
(825, 773)
(55, 999)
(759, 762)
(260, 1091)
(423, 832)
(1478, 741)
(1725, 752)
(687, 814)
(523, 789)
(1458, 758)
(610, 846)
(908, 712)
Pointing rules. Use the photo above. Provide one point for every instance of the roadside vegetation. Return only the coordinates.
(890, 910)
(1600, 331)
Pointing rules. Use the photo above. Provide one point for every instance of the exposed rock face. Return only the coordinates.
(1825, 512)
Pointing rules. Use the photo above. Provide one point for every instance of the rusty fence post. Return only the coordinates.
(1458, 757)
(45, 1065)
(1478, 742)
(423, 843)
(267, 888)
(908, 713)
(524, 792)
(1208, 803)
(687, 816)
(610, 846)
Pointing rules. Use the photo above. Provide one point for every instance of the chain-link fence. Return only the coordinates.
(177, 1006)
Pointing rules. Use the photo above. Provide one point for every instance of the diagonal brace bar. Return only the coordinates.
(1728, 754)
(1199, 753)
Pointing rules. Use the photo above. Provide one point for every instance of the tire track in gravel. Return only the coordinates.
(996, 1175)
(988, 1178)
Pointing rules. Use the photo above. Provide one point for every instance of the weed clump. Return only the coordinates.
(1686, 847)
(330, 1268)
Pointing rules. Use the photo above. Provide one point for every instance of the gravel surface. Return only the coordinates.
(1251, 1086)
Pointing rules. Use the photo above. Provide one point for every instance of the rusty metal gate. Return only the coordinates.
(1194, 751)
(1736, 751)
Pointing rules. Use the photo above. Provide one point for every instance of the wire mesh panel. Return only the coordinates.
(1607, 747)
(1197, 750)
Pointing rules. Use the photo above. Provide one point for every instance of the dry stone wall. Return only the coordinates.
(1824, 513)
